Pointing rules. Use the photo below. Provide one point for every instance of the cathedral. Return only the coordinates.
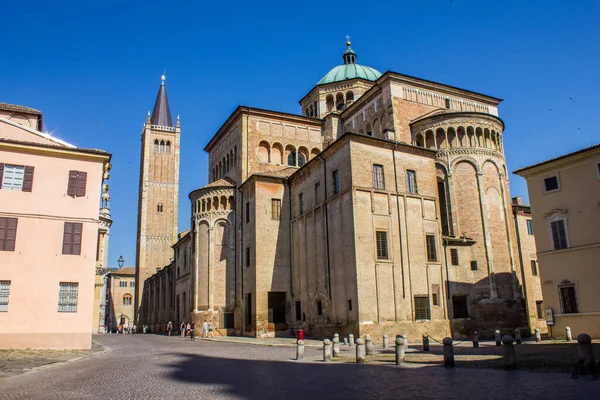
(383, 207)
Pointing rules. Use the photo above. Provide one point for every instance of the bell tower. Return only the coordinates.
(158, 196)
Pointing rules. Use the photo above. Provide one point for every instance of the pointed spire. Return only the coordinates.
(177, 124)
(161, 115)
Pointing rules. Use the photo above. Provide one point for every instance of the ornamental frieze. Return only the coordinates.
(468, 151)
(423, 126)
(212, 214)
(209, 192)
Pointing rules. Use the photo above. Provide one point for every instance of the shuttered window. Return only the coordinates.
(77, 183)
(8, 233)
(4, 295)
(431, 249)
(559, 234)
(382, 245)
(275, 208)
(67, 297)
(454, 256)
(411, 178)
(72, 238)
(421, 308)
(378, 177)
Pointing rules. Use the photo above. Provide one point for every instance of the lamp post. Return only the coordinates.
(121, 261)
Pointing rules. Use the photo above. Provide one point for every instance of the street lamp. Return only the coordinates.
(121, 261)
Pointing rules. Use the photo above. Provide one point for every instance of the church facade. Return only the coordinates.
(383, 208)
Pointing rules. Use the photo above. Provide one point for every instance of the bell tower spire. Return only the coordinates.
(161, 115)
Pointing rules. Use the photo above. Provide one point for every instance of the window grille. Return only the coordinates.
(431, 249)
(411, 177)
(421, 308)
(67, 297)
(382, 245)
(568, 299)
(4, 295)
(378, 177)
(275, 208)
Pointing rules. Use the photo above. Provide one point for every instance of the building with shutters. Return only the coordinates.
(49, 231)
(383, 207)
(565, 205)
(120, 291)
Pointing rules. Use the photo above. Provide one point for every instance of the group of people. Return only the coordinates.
(188, 329)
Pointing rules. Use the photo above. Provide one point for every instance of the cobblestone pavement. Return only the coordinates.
(159, 367)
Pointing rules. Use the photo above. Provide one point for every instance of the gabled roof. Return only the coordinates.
(18, 108)
(37, 133)
(223, 182)
(595, 146)
(125, 271)
(161, 115)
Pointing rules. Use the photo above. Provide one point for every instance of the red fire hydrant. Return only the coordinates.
(300, 334)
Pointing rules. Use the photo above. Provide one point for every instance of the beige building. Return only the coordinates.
(49, 229)
(120, 291)
(158, 192)
(102, 269)
(564, 194)
(383, 208)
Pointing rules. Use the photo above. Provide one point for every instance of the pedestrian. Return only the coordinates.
(169, 328)
(187, 329)
(205, 329)
(210, 329)
(192, 331)
(182, 328)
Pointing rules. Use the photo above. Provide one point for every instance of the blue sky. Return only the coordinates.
(86, 62)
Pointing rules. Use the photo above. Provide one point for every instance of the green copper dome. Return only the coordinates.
(350, 70)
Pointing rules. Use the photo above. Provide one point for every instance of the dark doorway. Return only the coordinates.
(459, 307)
(248, 312)
(229, 321)
(277, 307)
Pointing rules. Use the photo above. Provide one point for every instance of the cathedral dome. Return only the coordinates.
(350, 70)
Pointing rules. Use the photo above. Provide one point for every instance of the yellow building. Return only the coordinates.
(120, 291)
(565, 194)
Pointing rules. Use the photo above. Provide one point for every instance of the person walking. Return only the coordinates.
(187, 329)
(182, 329)
(192, 331)
(210, 329)
(169, 328)
(205, 329)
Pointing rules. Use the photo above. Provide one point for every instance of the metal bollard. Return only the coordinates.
(475, 339)
(360, 351)
(299, 349)
(385, 341)
(509, 351)
(585, 351)
(538, 335)
(351, 340)
(336, 345)
(400, 353)
(368, 344)
(425, 342)
(568, 334)
(448, 353)
(517, 336)
(497, 338)
(326, 350)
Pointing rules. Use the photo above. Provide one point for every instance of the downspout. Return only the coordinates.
(399, 220)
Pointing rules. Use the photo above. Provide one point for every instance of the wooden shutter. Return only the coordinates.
(68, 239)
(3, 223)
(72, 187)
(28, 179)
(77, 230)
(81, 183)
(1, 173)
(11, 234)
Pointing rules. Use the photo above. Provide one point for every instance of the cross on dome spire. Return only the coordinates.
(348, 43)
(349, 55)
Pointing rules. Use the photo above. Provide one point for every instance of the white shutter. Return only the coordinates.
(13, 177)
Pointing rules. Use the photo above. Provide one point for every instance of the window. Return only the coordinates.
(378, 178)
(122, 284)
(421, 308)
(411, 177)
(301, 159)
(447, 103)
(249, 309)
(72, 238)
(568, 297)
(598, 169)
(539, 306)
(67, 297)
(298, 310)
(291, 159)
(8, 233)
(319, 307)
(474, 265)
(247, 212)
(459, 307)
(229, 321)
(247, 256)
(534, 268)
(559, 234)
(382, 245)
(336, 182)
(159, 207)
(431, 249)
(276, 307)
(530, 227)
(127, 299)
(349, 305)
(131, 284)
(300, 205)
(435, 294)
(77, 183)
(4, 295)
(551, 184)
(168, 147)
(16, 177)
(454, 256)
(275, 208)
(434, 299)
(156, 146)
(317, 193)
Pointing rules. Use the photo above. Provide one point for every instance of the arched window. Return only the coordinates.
(227, 162)
(339, 101)
(162, 146)
(159, 207)
(349, 96)
(329, 102)
(235, 156)
(127, 300)
(291, 160)
(168, 147)
(156, 146)
(302, 156)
